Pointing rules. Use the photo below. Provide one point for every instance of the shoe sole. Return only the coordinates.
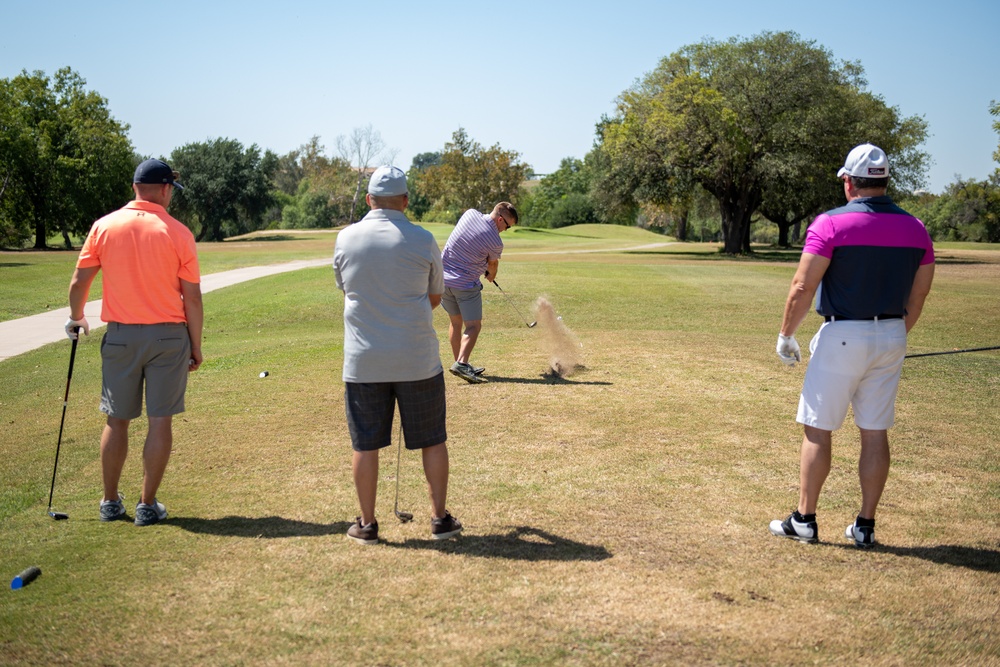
(860, 545)
(361, 540)
(114, 518)
(473, 379)
(152, 522)
(804, 540)
(796, 537)
(445, 536)
(149, 522)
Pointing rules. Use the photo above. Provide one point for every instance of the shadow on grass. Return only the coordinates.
(972, 558)
(265, 238)
(521, 543)
(267, 526)
(545, 378)
(11, 265)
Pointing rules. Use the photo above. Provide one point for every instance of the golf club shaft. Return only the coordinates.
(62, 422)
(402, 516)
(969, 349)
(507, 296)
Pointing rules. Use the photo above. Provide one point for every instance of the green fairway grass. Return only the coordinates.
(615, 517)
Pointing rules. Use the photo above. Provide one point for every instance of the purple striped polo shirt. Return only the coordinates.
(875, 249)
(473, 243)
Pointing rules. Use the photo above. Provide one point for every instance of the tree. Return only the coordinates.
(419, 202)
(995, 112)
(227, 189)
(470, 176)
(744, 119)
(562, 198)
(361, 150)
(64, 161)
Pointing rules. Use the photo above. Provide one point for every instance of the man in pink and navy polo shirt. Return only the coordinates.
(870, 265)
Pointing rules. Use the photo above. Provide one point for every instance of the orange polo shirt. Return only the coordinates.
(144, 254)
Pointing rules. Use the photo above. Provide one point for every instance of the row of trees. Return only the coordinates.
(720, 137)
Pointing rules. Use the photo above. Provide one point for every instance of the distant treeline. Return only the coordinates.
(733, 141)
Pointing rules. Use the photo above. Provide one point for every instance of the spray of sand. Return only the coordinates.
(564, 350)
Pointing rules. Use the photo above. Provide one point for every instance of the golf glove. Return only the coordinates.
(788, 350)
(71, 326)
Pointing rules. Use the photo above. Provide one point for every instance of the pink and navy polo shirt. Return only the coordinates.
(875, 249)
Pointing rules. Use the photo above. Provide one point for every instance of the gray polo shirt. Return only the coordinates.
(386, 266)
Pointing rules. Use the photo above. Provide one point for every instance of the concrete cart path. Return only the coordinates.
(27, 333)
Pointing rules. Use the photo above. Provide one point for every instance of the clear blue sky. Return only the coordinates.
(532, 76)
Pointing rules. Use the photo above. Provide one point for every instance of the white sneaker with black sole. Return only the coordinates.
(803, 531)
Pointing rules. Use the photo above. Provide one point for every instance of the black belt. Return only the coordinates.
(834, 318)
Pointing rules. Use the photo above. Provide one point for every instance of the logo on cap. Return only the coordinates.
(878, 172)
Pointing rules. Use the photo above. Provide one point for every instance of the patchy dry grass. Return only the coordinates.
(616, 517)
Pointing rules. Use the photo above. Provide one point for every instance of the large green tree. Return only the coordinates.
(471, 176)
(64, 161)
(751, 121)
(227, 188)
(561, 198)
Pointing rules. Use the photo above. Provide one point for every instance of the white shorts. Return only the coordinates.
(857, 364)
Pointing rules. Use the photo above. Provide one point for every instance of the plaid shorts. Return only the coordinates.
(370, 406)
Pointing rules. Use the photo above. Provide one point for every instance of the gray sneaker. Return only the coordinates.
(445, 527)
(363, 534)
(467, 373)
(147, 515)
(112, 510)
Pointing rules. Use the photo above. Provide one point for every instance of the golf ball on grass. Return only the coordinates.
(264, 374)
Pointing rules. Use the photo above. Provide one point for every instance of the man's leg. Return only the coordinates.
(455, 334)
(814, 466)
(156, 455)
(873, 469)
(469, 337)
(365, 468)
(114, 450)
(435, 459)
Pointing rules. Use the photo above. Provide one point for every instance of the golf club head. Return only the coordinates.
(532, 325)
(58, 516)
(404, 517)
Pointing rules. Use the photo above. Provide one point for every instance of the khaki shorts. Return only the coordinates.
(154, 355)
(467, 302)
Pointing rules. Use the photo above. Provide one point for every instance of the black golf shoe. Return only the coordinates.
(363, 534)
(445, 527)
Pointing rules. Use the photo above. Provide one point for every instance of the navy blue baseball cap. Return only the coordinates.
(156, 172)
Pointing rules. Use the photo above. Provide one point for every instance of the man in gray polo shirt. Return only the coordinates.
(390, 272)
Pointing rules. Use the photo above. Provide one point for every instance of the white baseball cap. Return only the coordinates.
(865, 161)
(387, 182)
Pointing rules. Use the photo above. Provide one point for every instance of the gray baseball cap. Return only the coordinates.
(387, 182)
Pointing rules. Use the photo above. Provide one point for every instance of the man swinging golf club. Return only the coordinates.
(872, 265)
(473, 250)
(390, 273)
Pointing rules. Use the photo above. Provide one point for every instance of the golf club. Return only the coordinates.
(60, 516)
(523, 319)
(969, 349)
(404, 517)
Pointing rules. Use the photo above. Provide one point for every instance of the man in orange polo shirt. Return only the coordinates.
(152, 304)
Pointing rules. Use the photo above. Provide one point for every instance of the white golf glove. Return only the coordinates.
(72, 324)
(788, 349)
